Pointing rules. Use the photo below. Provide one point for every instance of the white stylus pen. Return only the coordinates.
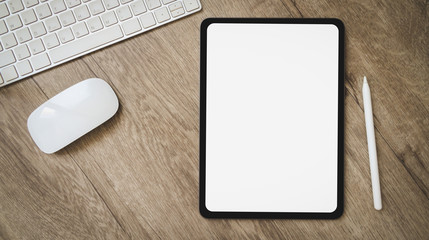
(371, 145)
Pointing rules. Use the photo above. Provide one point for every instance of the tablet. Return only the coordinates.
(272, 118)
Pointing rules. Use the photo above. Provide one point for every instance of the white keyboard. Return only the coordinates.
(36, 35)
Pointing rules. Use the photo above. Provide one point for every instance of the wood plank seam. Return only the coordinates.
(400, 159)
(41, 90)
(295, 7)
(101, 169)
(37, 84)
(107, 80)
(417, 181)
(102, 199)
(92, 184)
(95, 188)
(346, 77)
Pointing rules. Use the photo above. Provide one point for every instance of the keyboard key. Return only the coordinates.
(67, 18)
(15, 5)
(51, 40)
(152, 4)
(40, 61)
(80, 30)
(9, 73)
(147, 20)
(21, 52)
(72, 3)
(36, 46)
(191, 5)
(84, 44)
(52, 24)
(96, 7)
(167, 1)
(125, 1)
(58, 6)
(176, 9)
(14, 22)
(28, 16)
(81, 12)
(124, 13)
(30, 3)
(3, 10)
(131, 26)
(3, 28)
(6, 58)
(94, 24)
(24, 67)
(23, 35)
(138, 7)
(162, 15)
(9, 40)
(38, 29)
(43, 11)
(111, 4)
(65, 35)
(109, 18)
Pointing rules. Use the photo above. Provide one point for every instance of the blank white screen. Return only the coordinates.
(272, 111)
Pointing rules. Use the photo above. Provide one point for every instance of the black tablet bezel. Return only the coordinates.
(203, 97)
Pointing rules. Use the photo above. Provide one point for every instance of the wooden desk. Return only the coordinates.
(136, 176)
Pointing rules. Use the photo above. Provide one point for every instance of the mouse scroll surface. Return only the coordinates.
(71, 114)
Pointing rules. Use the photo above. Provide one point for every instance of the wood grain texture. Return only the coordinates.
(136, 176)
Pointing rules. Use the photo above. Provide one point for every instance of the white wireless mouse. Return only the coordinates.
(71, 114)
